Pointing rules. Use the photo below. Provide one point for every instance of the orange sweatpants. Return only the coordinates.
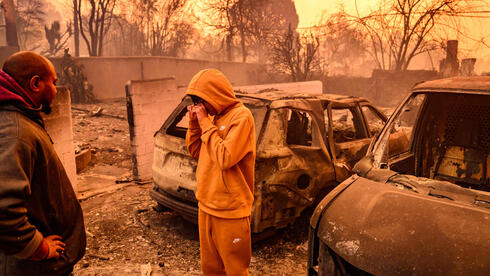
(226, 246)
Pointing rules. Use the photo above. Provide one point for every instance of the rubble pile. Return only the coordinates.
(107, 136)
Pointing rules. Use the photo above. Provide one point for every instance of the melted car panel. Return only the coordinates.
(299, 158)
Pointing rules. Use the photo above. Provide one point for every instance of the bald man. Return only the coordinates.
(41, 222)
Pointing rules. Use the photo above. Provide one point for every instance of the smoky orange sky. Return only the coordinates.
(309, 12)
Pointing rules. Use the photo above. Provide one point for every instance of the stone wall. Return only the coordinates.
(60, 128)
(108, 75)
(149, 103)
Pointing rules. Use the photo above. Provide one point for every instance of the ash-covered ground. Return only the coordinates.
(127, 236)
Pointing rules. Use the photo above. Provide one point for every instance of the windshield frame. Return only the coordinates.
(377, 147)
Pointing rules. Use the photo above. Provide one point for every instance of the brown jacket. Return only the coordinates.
(36, 197)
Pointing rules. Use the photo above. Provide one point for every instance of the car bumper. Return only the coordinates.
(188, 210)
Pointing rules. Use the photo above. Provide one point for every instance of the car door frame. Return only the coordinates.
(342, 169)
(380, 114)
(287, 156)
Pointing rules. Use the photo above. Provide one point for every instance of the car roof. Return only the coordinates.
(266, 97)
(474, 84)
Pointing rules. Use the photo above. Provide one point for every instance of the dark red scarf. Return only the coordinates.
(11, 91)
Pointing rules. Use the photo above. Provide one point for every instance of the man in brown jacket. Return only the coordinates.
(41, 222)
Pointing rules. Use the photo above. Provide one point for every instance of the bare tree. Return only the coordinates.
(400, 30)
(96, 23)
(125, 38)
(56, 39)
(342, 45)
(152, 27)
(30, 22)
(296, 55)
(167, 34)
(129, 35)
(220, 17)
(271, 18)
(249, 24)
(179, 39)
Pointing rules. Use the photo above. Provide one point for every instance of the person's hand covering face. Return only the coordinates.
(192, 114)
(200, 111)
(197, 112)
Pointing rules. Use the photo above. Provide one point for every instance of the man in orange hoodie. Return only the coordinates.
(225, 147)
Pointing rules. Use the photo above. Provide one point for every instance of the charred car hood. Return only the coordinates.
(408, 225)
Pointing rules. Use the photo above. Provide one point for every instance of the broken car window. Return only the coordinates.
(344, 129)
(299, 128)
(402, 127)
(375, 123)
(180, 124)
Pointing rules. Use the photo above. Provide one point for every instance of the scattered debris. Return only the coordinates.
(89, 234)
(115, 149)
(98, 112)
(80, 146)
(83, 159)
(146, 269)
(104, 258)
(106, 136)
(124, 179)
(143, 181)
(139, 211)
(109, 189)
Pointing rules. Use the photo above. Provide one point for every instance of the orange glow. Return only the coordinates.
(309, 12)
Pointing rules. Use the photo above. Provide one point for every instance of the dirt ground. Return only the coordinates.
(127, 236)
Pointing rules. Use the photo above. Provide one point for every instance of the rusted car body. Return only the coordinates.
(306, 145)
(422, 207)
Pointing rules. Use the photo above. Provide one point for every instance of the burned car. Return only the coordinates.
(306, 145)
(419, 205)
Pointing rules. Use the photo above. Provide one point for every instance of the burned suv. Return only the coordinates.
(419, 207)
(306, 145)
